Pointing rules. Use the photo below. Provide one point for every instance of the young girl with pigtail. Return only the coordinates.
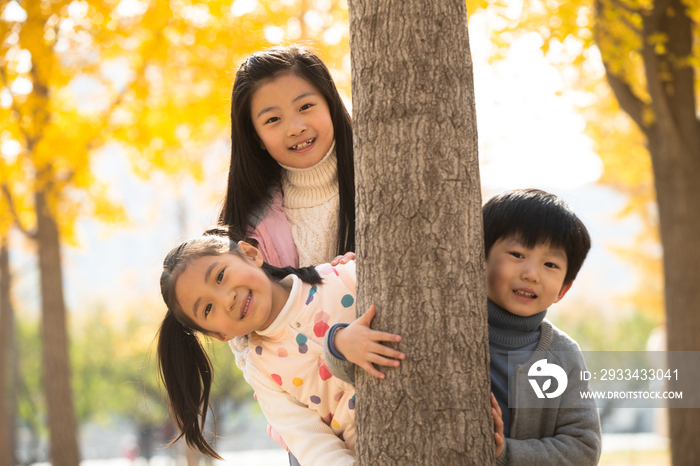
(279, 318)
(291, 189)
(291, 180)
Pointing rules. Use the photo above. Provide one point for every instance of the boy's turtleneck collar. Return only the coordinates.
(499, 317)
(307, 187)
(512, 330)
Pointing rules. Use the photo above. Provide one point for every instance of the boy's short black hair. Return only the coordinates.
(534, 217)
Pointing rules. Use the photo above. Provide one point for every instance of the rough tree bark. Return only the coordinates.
(419, 234)
(7, 417)
(59, 397)
(673, 140)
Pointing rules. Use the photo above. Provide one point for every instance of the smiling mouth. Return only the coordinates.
(525, 293)
(247, 303)
(304, 144)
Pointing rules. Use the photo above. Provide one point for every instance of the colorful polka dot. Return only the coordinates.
(301, 341)
(336, 424)
(297, 382)
(277, 379)
(282, 353)
(324, 372)
(347, 300)
(339, 395)
(315, 400)
(351, 403)
(321, 324)
(312, 292)
(328, 418)
(258, 350)
(327, 269)
(320, 329)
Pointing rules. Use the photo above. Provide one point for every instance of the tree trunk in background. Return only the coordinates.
(7, 361)
(419, 234)
(673, 140)
(677, 180)
(59, 397)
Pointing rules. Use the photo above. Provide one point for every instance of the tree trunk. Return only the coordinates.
(673, 140)
(676, 173)
(7, 360)
(419, 234)
(59, 398)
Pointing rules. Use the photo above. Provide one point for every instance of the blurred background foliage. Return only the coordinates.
(153, 78)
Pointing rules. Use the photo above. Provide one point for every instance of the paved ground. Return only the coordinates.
(618, 450)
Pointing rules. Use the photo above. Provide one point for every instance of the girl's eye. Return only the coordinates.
(219, 277)
(272, 120)
(207, 310)
(517, 255)
(306, 106)
(551, 265)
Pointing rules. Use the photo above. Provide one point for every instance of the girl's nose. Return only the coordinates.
(296, 127)
(227, 300)
(231, 301)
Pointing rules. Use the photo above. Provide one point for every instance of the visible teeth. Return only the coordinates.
(245, 310)
(304, 144)
(525, 293)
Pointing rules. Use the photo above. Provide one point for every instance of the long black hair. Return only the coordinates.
(253, 171)
(184, 366)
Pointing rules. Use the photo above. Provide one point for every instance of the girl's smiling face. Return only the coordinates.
(228, 295)
(292, 121)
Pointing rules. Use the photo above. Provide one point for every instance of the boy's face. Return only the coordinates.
(525, 281)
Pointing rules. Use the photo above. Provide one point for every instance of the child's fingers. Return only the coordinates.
(348, 256)
(382, 350)
(371, 370)
(497, 422)
(376, 335)
(496, 418)
(382, 361)
(495, 405)
(384, 336)
(367, 317)
(498, 439)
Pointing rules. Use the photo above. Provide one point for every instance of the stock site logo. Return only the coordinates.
(542, 368)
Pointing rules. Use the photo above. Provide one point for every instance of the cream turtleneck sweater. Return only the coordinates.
(311, 203)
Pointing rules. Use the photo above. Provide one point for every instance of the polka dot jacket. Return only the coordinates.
(287, 359)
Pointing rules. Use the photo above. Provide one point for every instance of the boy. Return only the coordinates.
(535, 246)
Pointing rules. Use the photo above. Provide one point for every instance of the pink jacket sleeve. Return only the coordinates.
(274, 236)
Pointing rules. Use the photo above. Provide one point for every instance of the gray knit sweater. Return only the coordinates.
(553, 435)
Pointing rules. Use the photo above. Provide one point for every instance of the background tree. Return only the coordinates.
(7, 359)
(151, 78)
(419, 233)
(649, 50)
